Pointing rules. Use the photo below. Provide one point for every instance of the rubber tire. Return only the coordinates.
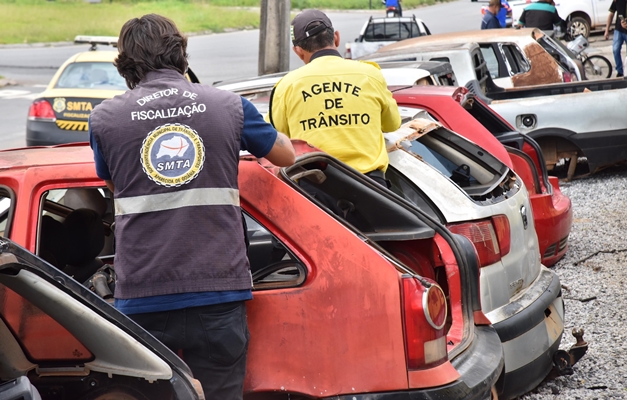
(578, 26)
(600, 62)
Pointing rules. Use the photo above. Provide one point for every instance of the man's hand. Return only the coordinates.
(623, 23)
(606, 35)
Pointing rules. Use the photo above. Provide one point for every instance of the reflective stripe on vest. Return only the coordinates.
(171, 201)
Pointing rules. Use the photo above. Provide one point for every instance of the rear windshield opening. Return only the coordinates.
(376, 216)
(91, 75)
(481, 179)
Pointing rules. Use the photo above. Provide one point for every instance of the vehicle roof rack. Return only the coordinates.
(94, 41)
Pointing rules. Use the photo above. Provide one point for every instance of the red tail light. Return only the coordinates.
(41, 109)
(424, 317)
(566, 77)
(347, 53)
(501, 226)
(491, 238)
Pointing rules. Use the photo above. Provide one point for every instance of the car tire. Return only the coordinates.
(578, 26)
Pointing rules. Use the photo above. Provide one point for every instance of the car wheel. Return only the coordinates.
(579, 26)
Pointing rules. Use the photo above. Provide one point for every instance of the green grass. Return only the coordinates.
(34, 21)
(62, 20)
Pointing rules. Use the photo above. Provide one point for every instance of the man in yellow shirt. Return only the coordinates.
(340, 106)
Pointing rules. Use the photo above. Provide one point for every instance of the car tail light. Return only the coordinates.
(501, 226)
(566, 77)
(491, 238)
(41, 109)
(424, 317)
(347, 53)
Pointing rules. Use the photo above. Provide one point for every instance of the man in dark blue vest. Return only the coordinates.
(490, 20)
(169, 150)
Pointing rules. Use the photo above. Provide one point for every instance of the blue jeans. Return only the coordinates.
(617, 44)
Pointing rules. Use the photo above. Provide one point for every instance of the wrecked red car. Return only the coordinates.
(479, 123)
(462, 112)
(376, 302)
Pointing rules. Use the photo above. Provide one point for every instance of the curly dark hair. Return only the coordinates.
(320, 41)
(149, 43)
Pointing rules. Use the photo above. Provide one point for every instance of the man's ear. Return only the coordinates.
(336, 38)
(299, 52)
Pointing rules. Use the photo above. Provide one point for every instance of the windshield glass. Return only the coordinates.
(491, 61)
(389, 30)
(93, 75)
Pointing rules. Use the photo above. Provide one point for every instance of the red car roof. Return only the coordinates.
(444, 103)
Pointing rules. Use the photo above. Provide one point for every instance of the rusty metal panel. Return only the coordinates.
(544, 69)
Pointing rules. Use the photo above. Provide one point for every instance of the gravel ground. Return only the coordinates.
(593, 281)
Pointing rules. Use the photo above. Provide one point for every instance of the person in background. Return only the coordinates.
(168, 150)
(620, 32)
(502, 14)
(340, 106)
(395, 3)
(542, 15)
(489, 20)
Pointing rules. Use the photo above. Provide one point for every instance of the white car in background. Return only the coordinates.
(434, 73)
(582, 16)
(379, 32)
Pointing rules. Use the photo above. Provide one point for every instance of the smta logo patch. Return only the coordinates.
(172, 155)
(58, 104)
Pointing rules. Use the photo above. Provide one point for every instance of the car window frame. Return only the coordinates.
(514, 58)
(41, 208)
(9, 213)
(297, 262)
(501, 69)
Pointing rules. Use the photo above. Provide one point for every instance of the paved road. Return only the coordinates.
(213, 58)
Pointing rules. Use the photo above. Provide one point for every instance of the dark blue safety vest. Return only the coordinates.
(172, 148)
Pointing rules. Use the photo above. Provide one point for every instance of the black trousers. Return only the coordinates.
(213, 341)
